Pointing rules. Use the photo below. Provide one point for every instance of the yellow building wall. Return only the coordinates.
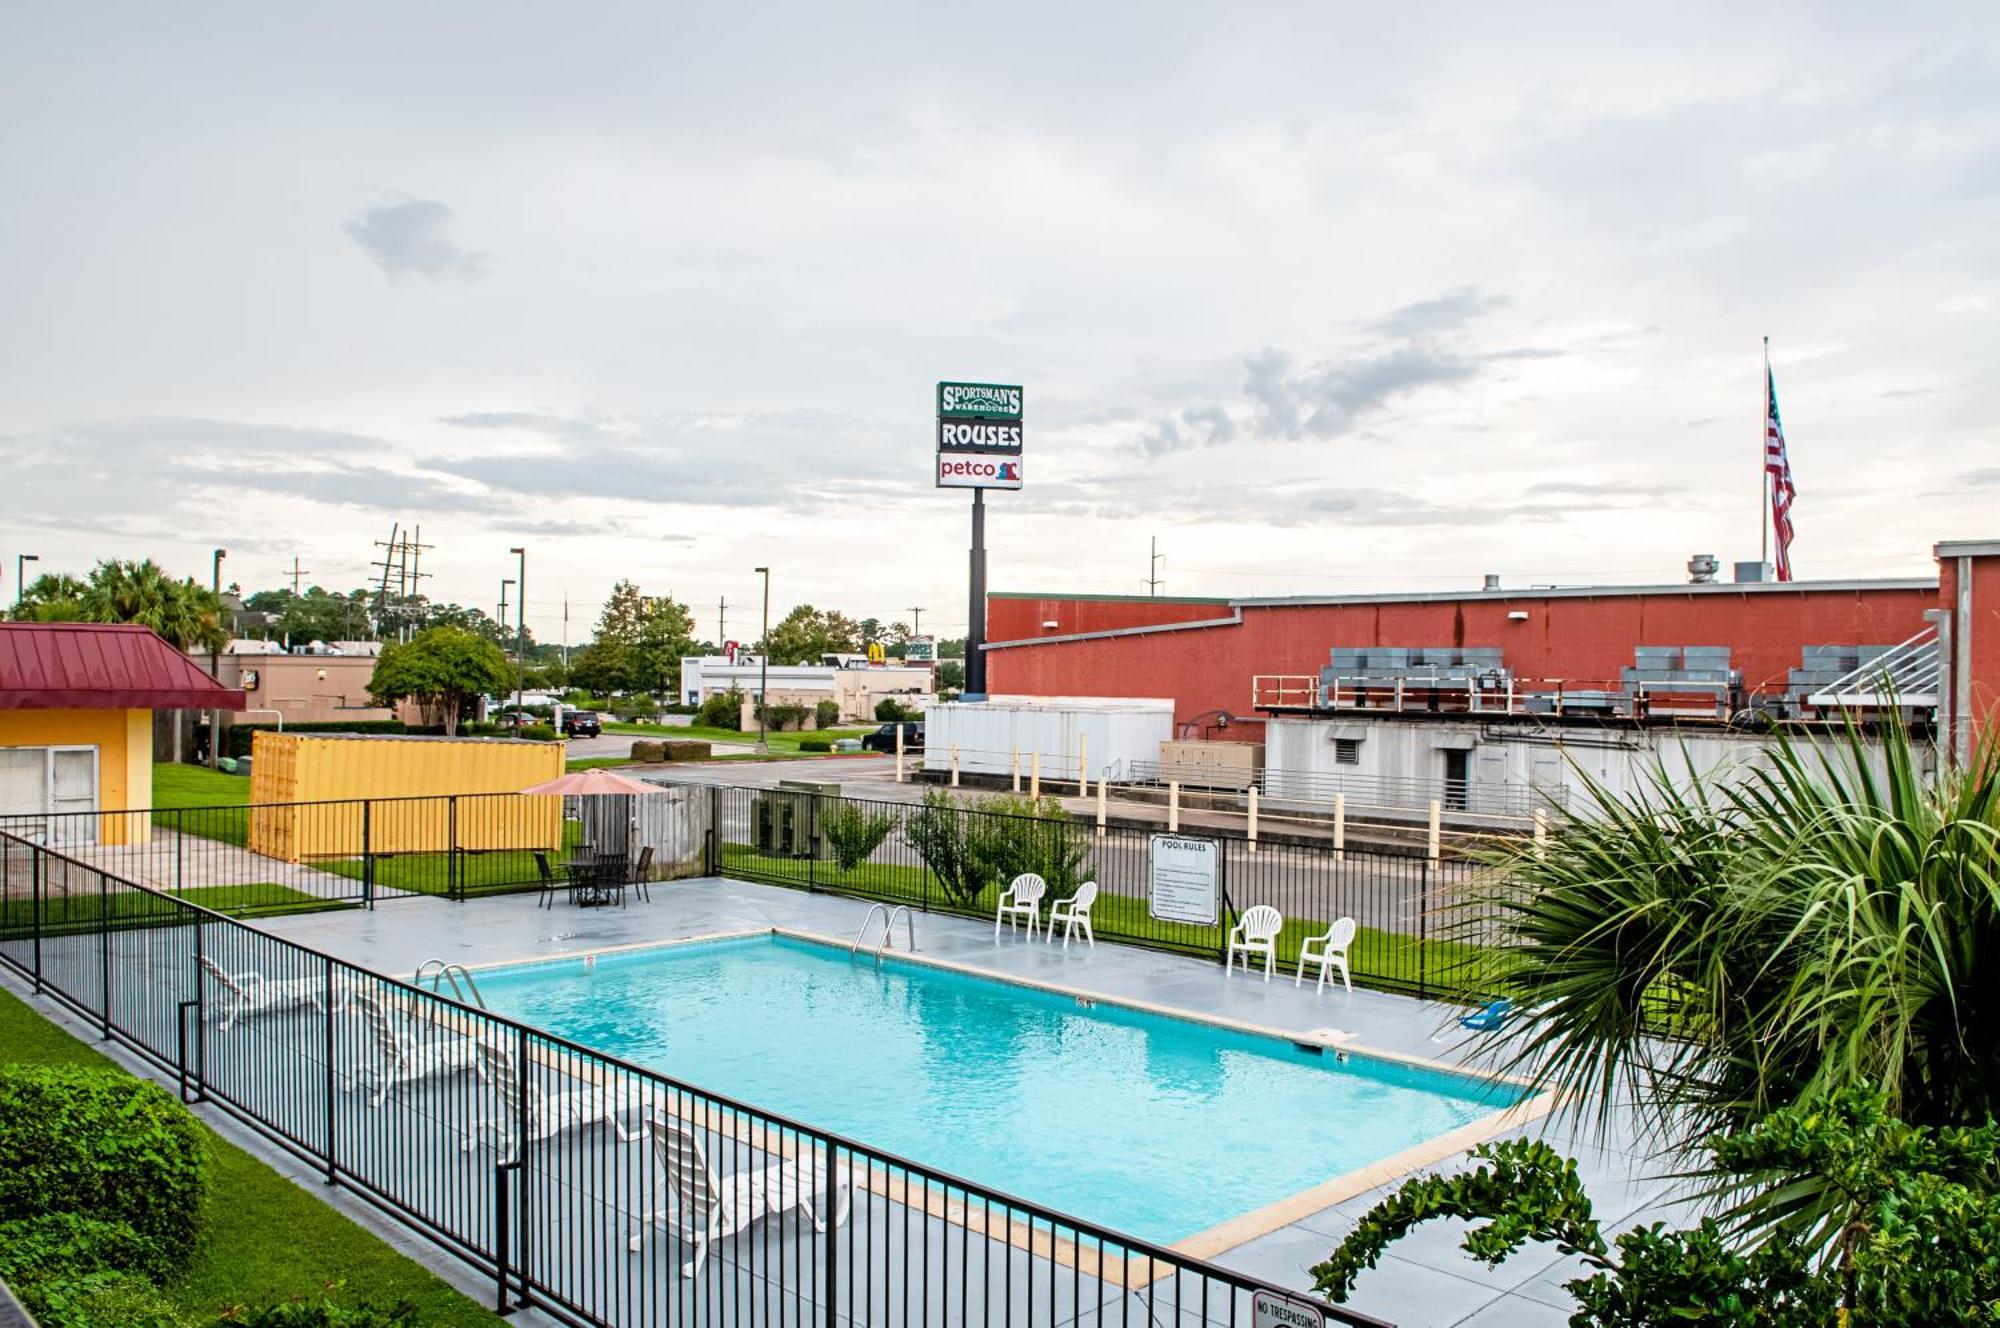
(319, 778)
(124, 743)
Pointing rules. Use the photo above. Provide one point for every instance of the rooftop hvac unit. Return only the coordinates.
(1702, 569)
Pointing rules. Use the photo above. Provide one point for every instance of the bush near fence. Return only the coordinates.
(237, 738)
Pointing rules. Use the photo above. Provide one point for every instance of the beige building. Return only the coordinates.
(855, 688)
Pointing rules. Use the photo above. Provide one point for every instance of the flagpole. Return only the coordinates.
(1763, 471)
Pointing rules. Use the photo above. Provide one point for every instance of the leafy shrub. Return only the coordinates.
(783, 715)
(724, 710)
(319, 1312)
(237, 738)
(94, 1142)
(854, 833)
(815, 744)
(1017, 834)
(938, 831)
(890, 711)
(826, 714)
(68, 1245)
(539, 733)
(106, 1299)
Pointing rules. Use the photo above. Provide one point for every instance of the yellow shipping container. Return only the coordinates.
(404, 780)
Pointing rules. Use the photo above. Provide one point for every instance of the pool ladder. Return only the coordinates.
(889, 917)
(439, 972)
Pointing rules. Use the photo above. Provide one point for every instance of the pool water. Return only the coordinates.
(1156, 1126)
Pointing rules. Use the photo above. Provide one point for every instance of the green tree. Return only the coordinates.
(317, 614)
(1829, 921)
(638, 645)
(441, 669)
(855, 833)
(52, 597)
(951, 675)
(1914, 1240)
(807, 633)
(189, 616)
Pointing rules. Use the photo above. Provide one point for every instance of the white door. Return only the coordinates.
(38, 781)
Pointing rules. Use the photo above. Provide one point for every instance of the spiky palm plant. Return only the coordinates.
(1717, 947)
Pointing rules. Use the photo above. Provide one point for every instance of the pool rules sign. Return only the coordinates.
(979, 435)
(1185, 881)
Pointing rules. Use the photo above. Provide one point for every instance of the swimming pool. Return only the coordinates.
(1157, 1126)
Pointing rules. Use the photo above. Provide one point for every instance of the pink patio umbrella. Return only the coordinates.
(591, 783)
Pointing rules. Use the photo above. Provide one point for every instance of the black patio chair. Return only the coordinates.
(640, 885)
(547, 899)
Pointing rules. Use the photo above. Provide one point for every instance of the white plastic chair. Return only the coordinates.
(1332, 953)
(406, 1056)
(710, 1207)
(1073, 913)
(250, 992)
(1255, 932)
(1021, 899)
(549, 1114)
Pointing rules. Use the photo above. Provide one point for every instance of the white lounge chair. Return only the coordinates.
(549, 1114)
(250, 992)
(406, 1055)
(709, 1207)
(1021, 899)
(1332, 953)
(1255, 932)
(1073, 913)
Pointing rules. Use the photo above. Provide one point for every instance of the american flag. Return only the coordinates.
(1778, 466)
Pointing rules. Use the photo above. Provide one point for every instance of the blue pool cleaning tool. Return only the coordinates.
(1489, 1018)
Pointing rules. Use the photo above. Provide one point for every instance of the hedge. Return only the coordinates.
(236, 741)
(69, 1245)
(96, 1143)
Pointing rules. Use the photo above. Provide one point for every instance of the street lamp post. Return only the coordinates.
(21, 562)
(215, 661)
(764, 664)
(520, 627)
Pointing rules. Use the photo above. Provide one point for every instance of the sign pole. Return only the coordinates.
(975, 617)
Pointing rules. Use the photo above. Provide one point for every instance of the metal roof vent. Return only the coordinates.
(1492, 581)
(1702, 568)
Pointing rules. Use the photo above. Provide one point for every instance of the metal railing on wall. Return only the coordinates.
(578, 1182)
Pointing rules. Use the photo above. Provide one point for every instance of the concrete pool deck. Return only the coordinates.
(1426, 1280)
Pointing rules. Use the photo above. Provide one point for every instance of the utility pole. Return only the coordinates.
(215, 663)
(520, 628)
(21, 561)
(297, 576)
(565, 642)
(916, 620)
(1153, 569)
(505, 582)
(721, 621)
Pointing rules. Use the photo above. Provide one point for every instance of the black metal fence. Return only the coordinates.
(1420, 919)
(597, 1190)
(284, 857)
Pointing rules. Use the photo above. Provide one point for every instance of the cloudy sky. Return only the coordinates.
(1328, 298)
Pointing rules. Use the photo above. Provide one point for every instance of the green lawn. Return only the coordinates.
(267, 1238)
(177, 785)
(1389, 956)
(79, 912)
(787, 743)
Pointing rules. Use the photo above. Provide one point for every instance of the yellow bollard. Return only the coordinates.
(1340, 827)
(1035, 778)
(1253, 818)
(1174, 807)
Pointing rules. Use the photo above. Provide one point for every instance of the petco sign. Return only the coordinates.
(971, 470)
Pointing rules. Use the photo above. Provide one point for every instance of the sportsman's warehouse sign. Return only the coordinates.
(983, 401)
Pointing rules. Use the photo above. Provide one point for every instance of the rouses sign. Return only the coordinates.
(920, 650)
(969, 435)
(980, 401)
(972, 470)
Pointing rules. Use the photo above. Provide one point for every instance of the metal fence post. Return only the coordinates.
(104, 945)
(812, 841)
(326, 1016)
(180, 841)
(500, 1224)
(35, 885)
(521, 1137)
(367, 855)
(1228, 908)
(453, 877)
(200, 1013)
(829, 1314)
(714, 863)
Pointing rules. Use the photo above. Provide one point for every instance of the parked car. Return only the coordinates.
(582, 724)
(884, 738)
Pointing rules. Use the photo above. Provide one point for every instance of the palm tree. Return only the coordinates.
(51, 597)
(1714, 949)
(189, 616)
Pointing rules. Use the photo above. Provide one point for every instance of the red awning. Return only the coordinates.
(102, 666)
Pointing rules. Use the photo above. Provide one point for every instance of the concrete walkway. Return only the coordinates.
(1426, 1282)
